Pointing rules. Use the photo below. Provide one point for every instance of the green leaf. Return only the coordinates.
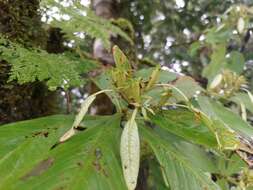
(155, 177)
(195, 46)
(164, 76)
(223, 183)
(185, 124)
(231, 165)
(235, 62)
(218, 60)
(104, 81)
(178, 170)
(188, 86)
(215, 36)
(121, 60)
(185, 84)
(14, 134)
(153, 79)
(217, 111)
(244, 98)
(89, 160)
(197, 155)
(131, 91)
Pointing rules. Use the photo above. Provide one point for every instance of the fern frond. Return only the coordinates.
(82, 19)
(29, 65)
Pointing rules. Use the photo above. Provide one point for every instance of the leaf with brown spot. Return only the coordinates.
(39, 168)
(88, 161)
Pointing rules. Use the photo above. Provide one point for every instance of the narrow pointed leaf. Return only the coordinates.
(130, 153)
(84, 109)
(153, 77)
(121, 60)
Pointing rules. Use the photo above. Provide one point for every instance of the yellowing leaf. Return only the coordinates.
(119, 77)
(71, 132)
(153, 78)
(130, 152)
(84, 109)
(120, 59)
(131, 91)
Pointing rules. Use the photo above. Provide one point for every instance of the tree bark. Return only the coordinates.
(20, 21)
(105, 9)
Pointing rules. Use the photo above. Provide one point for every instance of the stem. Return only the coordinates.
(68, 100)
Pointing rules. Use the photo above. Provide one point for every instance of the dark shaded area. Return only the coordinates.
(20, 22)
(142, 182)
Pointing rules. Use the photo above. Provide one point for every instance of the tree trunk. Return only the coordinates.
(105, 9)
(20, 21)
